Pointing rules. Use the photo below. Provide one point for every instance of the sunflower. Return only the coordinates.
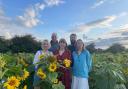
(52, 67)
(67, 63)
(41, 56)
(25, 87)
(41, 74)
(52, 59)
(55, 81)
(12, 83)
(25, 75)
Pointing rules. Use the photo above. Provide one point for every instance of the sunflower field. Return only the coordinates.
(17, 71)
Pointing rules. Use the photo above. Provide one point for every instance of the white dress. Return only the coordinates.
(79, 83)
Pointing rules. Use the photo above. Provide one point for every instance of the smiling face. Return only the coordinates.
(80, 44)
(45, 45)
(62, 43)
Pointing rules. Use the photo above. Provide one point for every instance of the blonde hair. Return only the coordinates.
(83, 48)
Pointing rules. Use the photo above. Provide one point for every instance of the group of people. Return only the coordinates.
(77, 77)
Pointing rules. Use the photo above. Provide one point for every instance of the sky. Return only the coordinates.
(101, 21)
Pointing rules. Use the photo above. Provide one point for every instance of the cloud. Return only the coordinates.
(30, 18)
(98, 3)
(122, 14)
(105, 22)
(121, 31)
(9, 27)
(54, 2)
(101, 23)
(105, 43)
(117, 35)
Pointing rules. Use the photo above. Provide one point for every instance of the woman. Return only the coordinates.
(45, 46)
(61, 54)
(82, 63)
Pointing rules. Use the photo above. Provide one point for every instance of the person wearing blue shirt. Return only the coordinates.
(82, 64)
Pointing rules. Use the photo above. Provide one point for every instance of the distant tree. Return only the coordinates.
(91, 48)
(3, 45)
(25, 43)
(116, 48)
(99, 50)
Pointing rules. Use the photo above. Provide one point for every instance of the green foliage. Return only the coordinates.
(110, 71)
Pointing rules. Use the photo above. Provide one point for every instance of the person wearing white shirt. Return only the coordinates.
(45, 50)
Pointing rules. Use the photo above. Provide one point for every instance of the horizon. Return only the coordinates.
(89, 19)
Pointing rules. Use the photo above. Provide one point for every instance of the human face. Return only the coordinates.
(79, 44)
(73, 39)
(45, 45)
(62, 44)
(54, 37)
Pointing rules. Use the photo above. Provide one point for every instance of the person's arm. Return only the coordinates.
(89, 61)
(36, 60)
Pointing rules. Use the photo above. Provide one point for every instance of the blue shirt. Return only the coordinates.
(82, 64)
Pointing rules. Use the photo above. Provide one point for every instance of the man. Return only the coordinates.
(73, 39)
(54, 42)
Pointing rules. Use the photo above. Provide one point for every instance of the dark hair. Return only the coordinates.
(73, 34)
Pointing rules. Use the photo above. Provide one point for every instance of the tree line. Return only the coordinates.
(29, 44)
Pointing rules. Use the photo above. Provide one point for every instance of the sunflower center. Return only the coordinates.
(52, 67)
(12, 82)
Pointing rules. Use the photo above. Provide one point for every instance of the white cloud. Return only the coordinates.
(121, 31)
(122, 14)
(54, 2)
(117, 35)
(8, 35)
(9, 27)
(98, 3)
(101, 23)
(40, 6)
(30, 18)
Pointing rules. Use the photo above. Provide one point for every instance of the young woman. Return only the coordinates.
(82, 63)
(45, 46)
(61, 54)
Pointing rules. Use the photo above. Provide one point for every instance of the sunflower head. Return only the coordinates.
(12, 83)
(41, 74)
(41, 56)
(67, 63)
(52, 59)
(25, 75)
(52, 67)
